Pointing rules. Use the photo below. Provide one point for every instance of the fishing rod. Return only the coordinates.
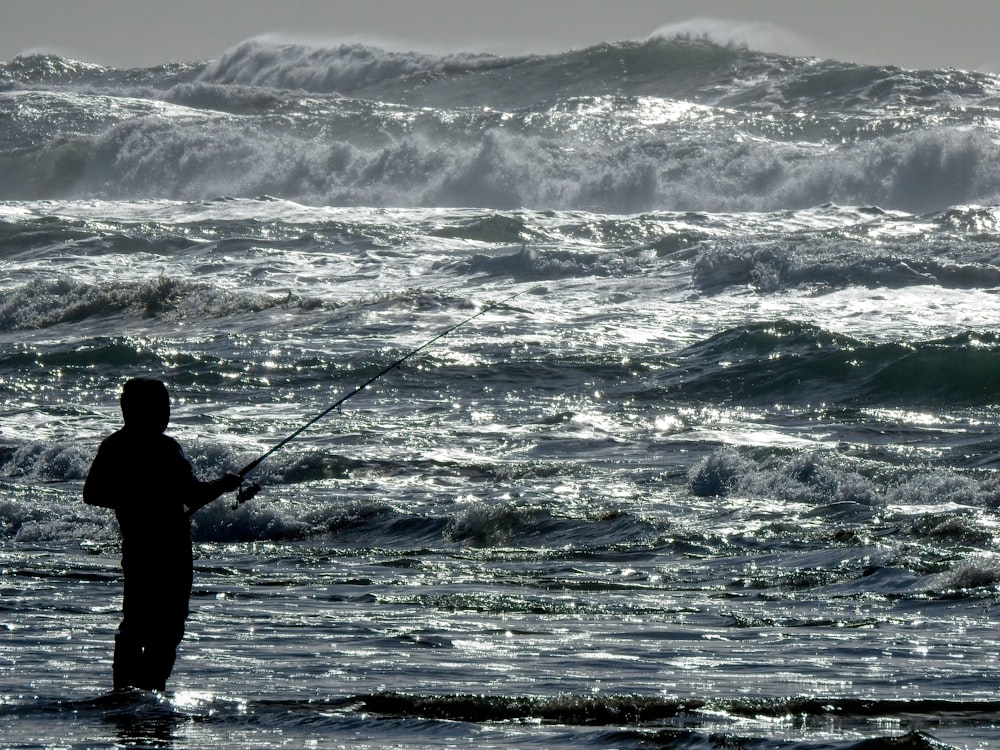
(248, 492)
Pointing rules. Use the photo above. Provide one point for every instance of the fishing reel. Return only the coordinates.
(245, 492)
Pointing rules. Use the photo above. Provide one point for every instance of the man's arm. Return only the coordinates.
(206, 492)
(99, 489)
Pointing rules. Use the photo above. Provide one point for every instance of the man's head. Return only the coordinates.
(145, 405)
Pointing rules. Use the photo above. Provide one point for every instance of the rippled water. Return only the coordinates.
(711, 470)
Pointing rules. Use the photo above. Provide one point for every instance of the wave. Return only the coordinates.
(364, 71)
(45, 303)
(46, 69)
(37, 515)
(667, 64)
(57, 461)
(616, 128)
(344, 69)
(817, 479)
(827, 499)
(116, 354)
(486, 164)
(932, 508)
(626, 720)
(42, 71)
(795, 363)
(633, 709)
(531, 264)
(772, 268)
(29, 518)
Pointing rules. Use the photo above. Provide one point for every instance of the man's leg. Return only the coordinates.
(161, 637)
(126, 670)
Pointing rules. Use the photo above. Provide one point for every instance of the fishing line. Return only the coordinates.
(246, 493)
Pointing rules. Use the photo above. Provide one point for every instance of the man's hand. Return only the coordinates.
(228, 482)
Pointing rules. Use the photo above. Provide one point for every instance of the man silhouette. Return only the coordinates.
(144, 477)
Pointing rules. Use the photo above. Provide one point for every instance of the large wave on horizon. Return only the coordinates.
(664, 124)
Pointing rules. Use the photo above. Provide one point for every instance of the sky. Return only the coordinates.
(141, 33)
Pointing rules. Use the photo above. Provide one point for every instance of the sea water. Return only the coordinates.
(713, 465)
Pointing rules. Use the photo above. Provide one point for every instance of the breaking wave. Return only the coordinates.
(789, 362)
(675, 124)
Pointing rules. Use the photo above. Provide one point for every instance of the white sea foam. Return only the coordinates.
(757, 35)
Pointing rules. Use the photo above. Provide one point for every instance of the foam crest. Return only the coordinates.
(926, 170)
(938, 488)
(806, 478)
(220, 522)
(981, 571)
(45, 68)
(487, 524)
(601, 155)
(35, 515)
(934, 507)
(264, 61)
(230, 98)
(756, 35)
(58, 461)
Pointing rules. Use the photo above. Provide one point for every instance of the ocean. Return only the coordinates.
(710, 461)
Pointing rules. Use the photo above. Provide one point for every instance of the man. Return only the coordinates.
(143, 475)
